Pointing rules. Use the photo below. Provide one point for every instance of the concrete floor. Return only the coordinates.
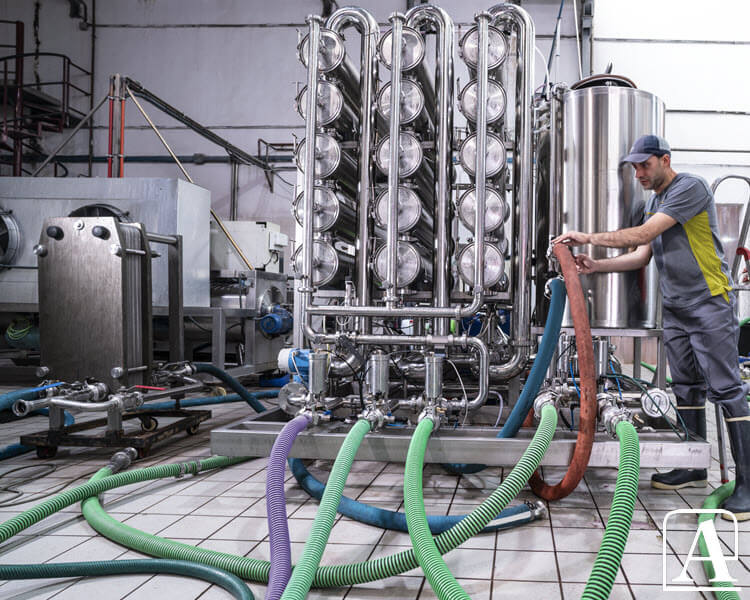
(225, 510)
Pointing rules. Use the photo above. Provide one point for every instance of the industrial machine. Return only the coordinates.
(224, 303)
(423, 280)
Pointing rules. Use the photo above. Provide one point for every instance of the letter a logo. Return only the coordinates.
(707, 552)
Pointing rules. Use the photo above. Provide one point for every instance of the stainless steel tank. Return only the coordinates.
(600, 193)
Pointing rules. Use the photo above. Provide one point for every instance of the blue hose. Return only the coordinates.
(188, 402)
(8, 399)
(12, 450)
(396, 521)
(235, 385)
(536, 375)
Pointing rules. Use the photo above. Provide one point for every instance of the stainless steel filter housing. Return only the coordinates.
(409, 209)
(412, 49)
(409, 154)
(331, 54)
(329, 265)
(410, 264)
(330, 103)
(599, 193)
(497, 48)
(495, 161)
(330, 208)
(412, 101)
(496, 213)
(494, 264)
(328, 157)
(496, 101)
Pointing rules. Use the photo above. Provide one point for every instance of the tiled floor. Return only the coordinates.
(225, 511)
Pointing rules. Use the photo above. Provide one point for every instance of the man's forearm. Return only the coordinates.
(623, 238)
(629, 261)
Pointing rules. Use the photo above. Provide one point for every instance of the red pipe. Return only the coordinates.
(122, 136)
(111, 126)
(585, 348)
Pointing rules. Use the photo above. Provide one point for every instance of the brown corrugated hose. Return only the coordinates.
(585, 348)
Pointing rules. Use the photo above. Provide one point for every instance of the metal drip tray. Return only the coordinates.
(255, 437)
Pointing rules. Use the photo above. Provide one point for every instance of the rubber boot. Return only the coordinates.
(739, 502)
(677, 479)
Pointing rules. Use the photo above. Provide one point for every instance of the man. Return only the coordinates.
(700, 327)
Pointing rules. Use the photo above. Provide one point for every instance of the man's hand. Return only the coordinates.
(573, 238)
(585, 264)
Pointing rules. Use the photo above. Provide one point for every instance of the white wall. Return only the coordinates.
(693, 55)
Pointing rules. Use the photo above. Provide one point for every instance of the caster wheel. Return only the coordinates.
(217, 390)
(192, 430)
(149, 424)
(46, 451)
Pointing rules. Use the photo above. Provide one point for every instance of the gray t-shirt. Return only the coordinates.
(689, 255)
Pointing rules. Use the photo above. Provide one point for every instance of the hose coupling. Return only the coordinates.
(128, 400)
(121, 460)
(432, 412)
(547, 397)
(376, 417)
(538, 509)
(610, 414)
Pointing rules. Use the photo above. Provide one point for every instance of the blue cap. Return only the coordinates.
(647, 146)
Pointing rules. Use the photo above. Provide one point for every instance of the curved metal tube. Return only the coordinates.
(443, 156)
(308, 189)
(522, 187)
(736, 261)
(369, 30)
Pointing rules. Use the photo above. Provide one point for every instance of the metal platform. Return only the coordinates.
(255, 437)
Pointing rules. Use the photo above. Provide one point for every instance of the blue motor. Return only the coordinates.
(296, 362)
(278, 321)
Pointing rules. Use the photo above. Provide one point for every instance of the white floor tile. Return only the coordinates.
(169, 587)
(517, 566)
(195, 526)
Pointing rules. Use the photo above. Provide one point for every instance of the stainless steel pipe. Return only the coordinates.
(369, 32)
(522, 186)
(391, 241)
(443, 155)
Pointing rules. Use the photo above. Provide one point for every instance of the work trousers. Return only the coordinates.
(701, 345)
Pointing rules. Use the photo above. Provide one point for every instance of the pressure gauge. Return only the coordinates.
(496, 101)
(331, 51)
(412, 48)
(412, 101)
(494, 264)
(496, 209)
(497, 48)
(495, 154)
(655, 403)
(409, 154)
(330, 103)
(409, 208)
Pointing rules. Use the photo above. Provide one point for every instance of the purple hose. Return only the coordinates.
(278, 527)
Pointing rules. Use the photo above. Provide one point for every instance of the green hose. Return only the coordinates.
(339, 575)
(428, 555)
(304, 571)
(41, 511)
(713, 502)
(229, 582)
(609, 557)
